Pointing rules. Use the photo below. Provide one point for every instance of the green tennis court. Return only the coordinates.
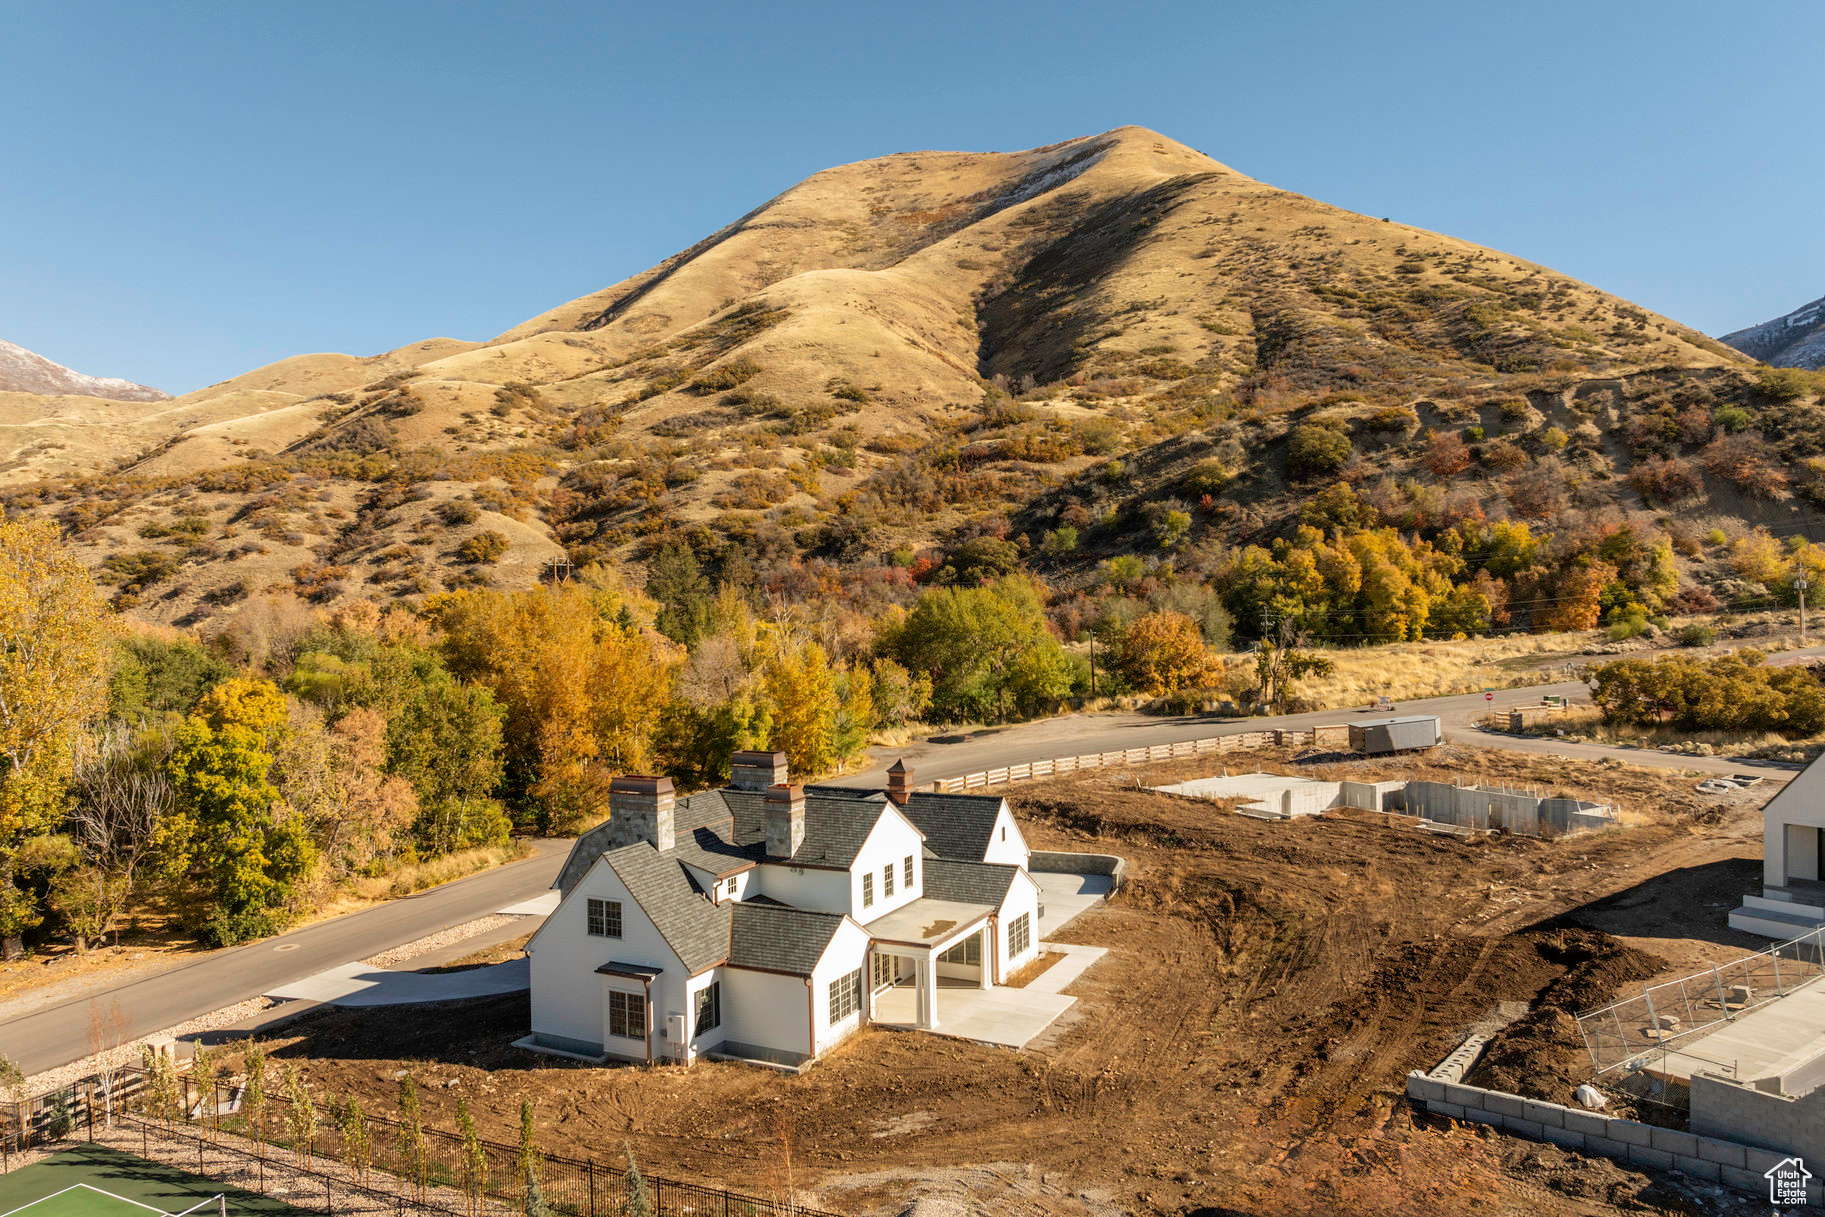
(90, 1181)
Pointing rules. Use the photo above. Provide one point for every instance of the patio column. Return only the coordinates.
(987, 977)
(927, 993)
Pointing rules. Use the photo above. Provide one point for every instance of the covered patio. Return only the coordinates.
(919, 933)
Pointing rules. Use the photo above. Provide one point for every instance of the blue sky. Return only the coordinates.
(189, 190)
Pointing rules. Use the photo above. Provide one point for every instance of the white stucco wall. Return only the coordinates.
(802, 887)
(1022, 897)
(766, 1010)
(848, 951)
(567, 994)
(893, 840)
(1007, 847)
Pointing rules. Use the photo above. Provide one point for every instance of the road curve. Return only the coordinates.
(54, 1035)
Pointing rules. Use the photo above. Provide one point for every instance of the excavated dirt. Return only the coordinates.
(1241, 1050)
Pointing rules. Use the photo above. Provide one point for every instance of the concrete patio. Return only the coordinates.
(356, 984)
(1064, 896)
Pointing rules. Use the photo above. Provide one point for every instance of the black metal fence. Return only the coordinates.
(380, 1161)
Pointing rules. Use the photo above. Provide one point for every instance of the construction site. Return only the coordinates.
(1269, 988)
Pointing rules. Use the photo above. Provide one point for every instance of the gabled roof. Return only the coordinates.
(696, 930)
(775, 938)
(956, 826)
(968, 882)
(836, 824)
(701, 835)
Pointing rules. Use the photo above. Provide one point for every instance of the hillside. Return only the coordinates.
(1796, 340)
(23, 371)
(1110, 345)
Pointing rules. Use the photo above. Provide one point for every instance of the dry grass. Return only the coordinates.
(1584, 724)
(416, 877)
(1411, 670)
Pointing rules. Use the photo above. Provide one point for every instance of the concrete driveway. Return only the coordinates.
(355, 984)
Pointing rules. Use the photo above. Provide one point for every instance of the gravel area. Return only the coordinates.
(129, 1053)
(443, 938)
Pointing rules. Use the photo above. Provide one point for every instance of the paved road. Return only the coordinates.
(943, 756)
(55, 1035)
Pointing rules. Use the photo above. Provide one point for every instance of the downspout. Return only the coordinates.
(646, 983)
(994, 947)
(810, 1020)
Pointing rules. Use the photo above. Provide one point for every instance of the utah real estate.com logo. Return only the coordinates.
(1787, 1181)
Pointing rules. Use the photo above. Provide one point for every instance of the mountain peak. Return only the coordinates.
(23, 371)
(1796, 340)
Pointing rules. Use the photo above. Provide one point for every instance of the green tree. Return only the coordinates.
(352, 1131)
(230, 835)
(301, 1114)
(531, 1163)
(1315, 450)
(54, 631)
(153, 677)
(967, 640)
(676, 580)
(635, 1202)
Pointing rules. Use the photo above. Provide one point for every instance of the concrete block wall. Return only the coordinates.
(1056, 862)
(1630, 1142)
(1792, 1124)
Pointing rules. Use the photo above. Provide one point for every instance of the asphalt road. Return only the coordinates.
(944, 756)
(54, 1035)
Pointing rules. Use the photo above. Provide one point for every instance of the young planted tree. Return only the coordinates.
(110, 1030)
(635, 1202)
(410, 1139)
(475, 1158)
(161, 1083)
(301, 1114)
(254, 1100)
(531, 1163)
(352, 1131)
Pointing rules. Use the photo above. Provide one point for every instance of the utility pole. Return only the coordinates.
(1800, 583)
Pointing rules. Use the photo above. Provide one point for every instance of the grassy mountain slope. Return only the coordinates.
(895, 353)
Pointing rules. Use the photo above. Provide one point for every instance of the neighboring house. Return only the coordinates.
(1793, 861)
(760, 920)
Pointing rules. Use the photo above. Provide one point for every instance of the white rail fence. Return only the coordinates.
(1338, 735)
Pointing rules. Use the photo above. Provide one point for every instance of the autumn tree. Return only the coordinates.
(968, 641)
(241, 848)
(54, 632)
(1162, 653)
(1281, 662)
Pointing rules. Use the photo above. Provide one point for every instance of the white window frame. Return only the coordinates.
(598, 911)
(628, 1009)
(1020, 935)
(867, 889)
(845, 996)
(887, 881)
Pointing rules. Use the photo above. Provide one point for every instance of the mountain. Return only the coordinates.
(23, 371)
(1794, 341)
(1090, 339)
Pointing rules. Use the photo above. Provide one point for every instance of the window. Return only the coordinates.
(1004, 832)
(909, 872)
(845, 996)
(627, 1015)
(868, 889)
(967, 951)
(883, 971)
(709, 1008)
(887, 880)
(605, 920)
(1020, 935)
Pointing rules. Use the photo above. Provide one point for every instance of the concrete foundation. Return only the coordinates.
(1452, 808)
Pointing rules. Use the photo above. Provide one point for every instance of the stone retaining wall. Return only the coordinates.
(1629, 1142)
(1056, 863)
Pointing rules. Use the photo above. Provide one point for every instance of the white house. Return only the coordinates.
(1793, 861)
(761, 920)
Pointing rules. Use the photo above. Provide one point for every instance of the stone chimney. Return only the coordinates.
(757, 770)
(640, 809)
(785, 820)
(900, 782)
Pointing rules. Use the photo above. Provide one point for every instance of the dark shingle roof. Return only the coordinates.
(968, 882)
(696, 930)
(835, 825)
(775, 938)
(700, 826)
(955, 825)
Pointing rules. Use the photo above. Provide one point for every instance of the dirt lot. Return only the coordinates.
(1241, 1050)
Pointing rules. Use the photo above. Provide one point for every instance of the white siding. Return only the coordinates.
(713, 1038)
(848, 951)
(718, 889)
(802, 887)
(1801, 801)
(567, 994)
(1007, 847)
(1022, 897)
(767, 1011)
(894, 839)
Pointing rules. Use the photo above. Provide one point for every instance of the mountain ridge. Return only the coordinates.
(23, 371)
(1793, 340)
(894, 355)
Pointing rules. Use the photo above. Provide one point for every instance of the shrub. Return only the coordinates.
(1731, 419)
(457, 514)
(1314, 450)
(730, 375)
(1789, 384)
(1668, 480)
(139, 570)
(1695, 635)
(484, 548)
(1447, 454)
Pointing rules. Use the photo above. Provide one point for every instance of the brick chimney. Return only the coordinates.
(640, 809)
(899, 782)
(749, 770)
(785, 820)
